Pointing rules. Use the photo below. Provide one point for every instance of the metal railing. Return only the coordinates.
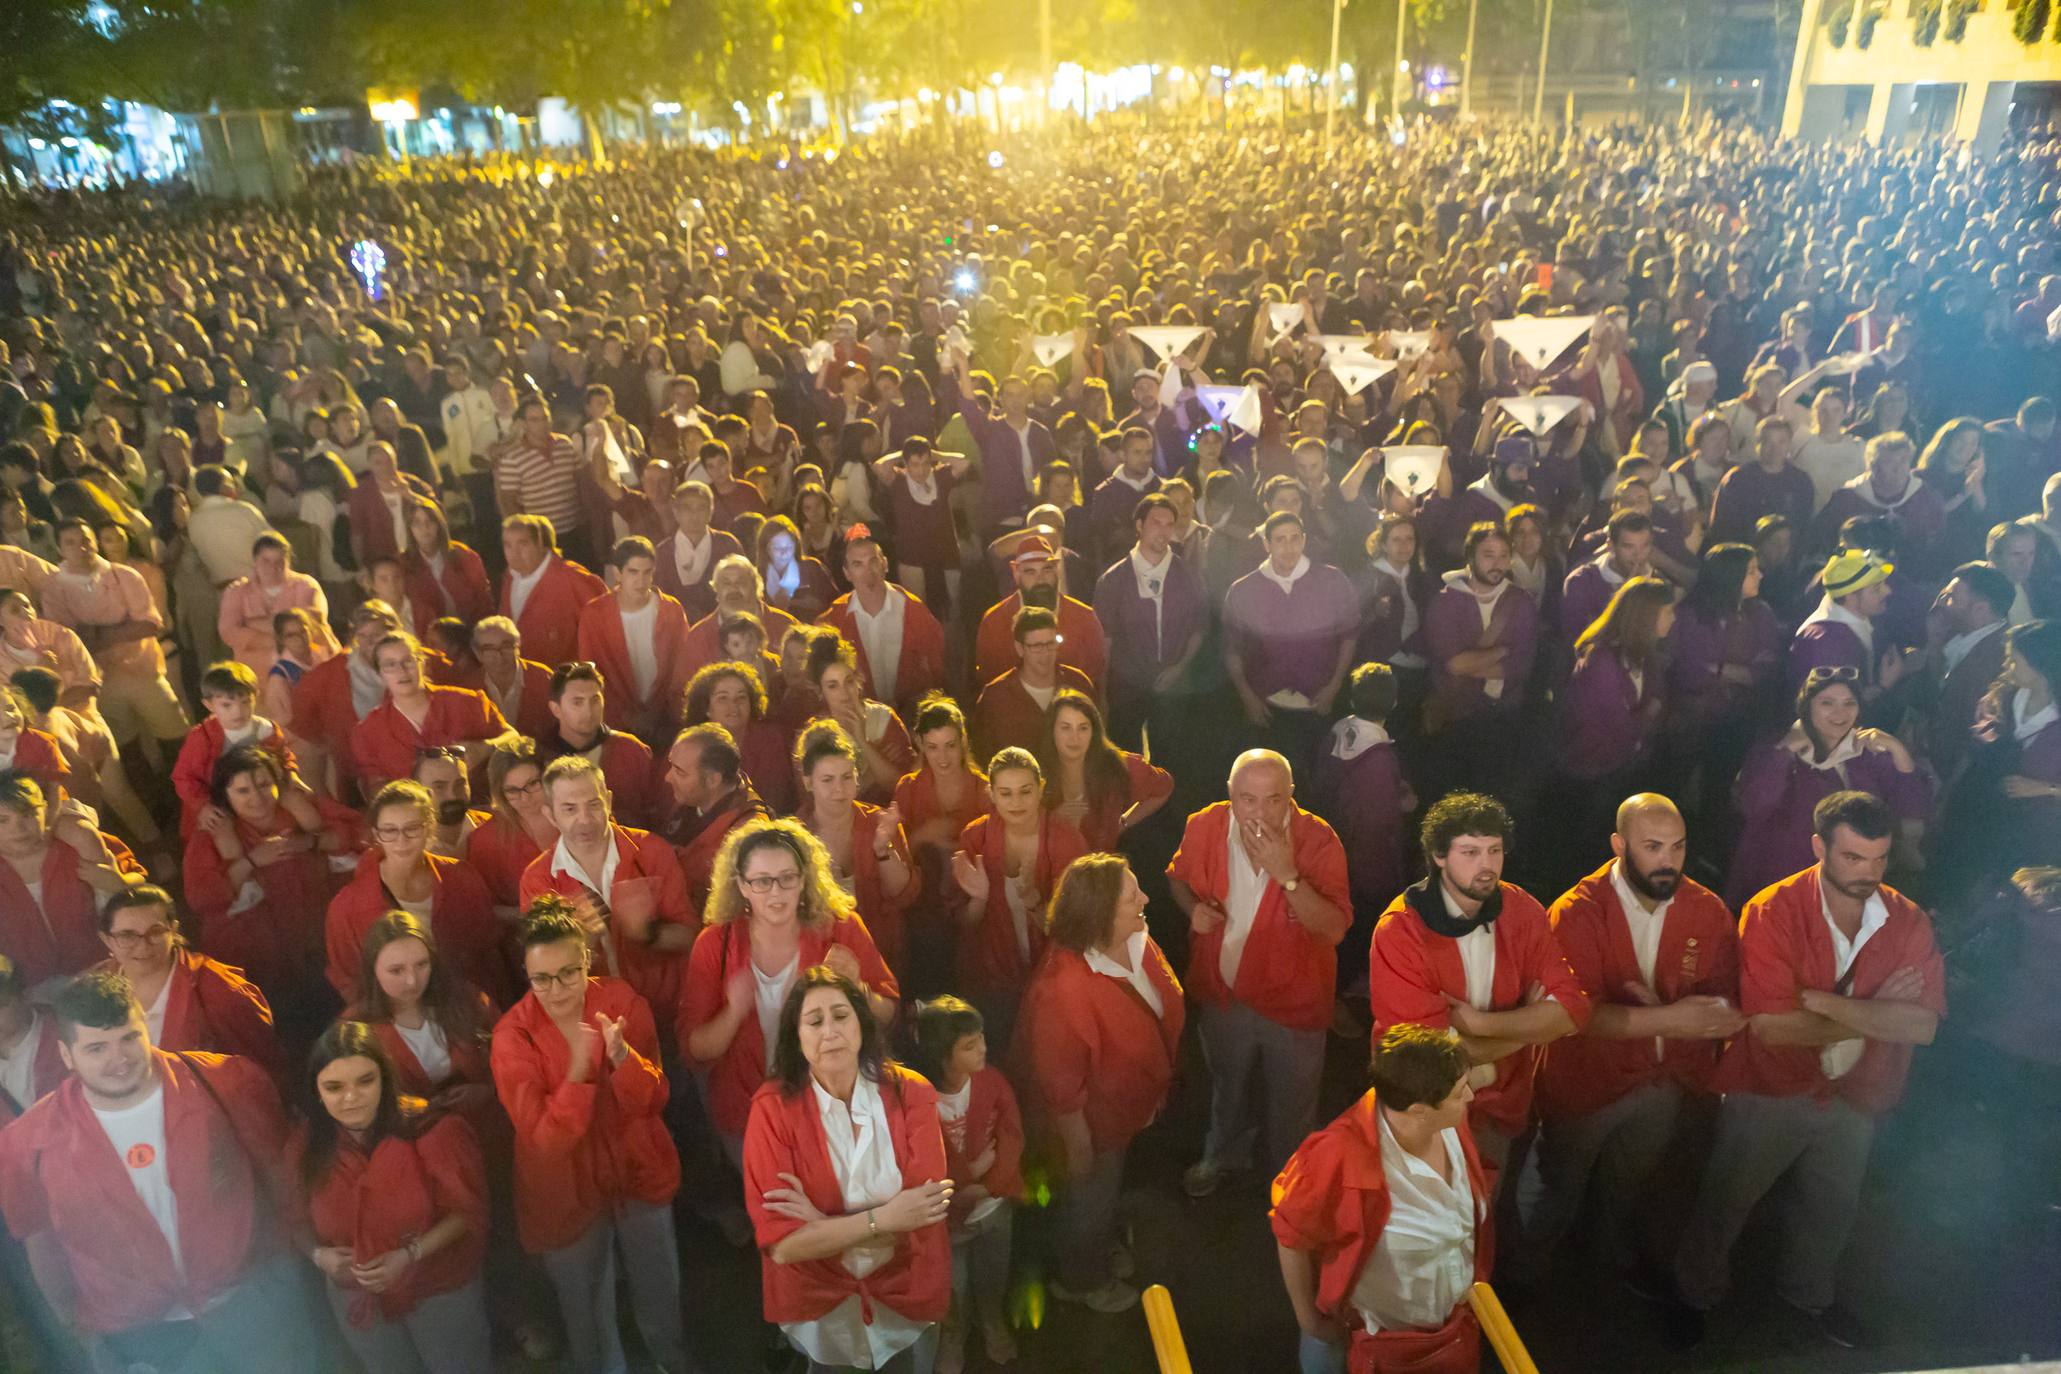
(1172, 1352)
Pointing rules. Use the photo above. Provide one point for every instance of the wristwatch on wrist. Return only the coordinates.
(1292, 884)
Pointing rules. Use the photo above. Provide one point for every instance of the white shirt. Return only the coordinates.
(431, 1050)
(520, 585)
(1838, 1060)
(138, 1136)
(18, 1069)
(600, 885)
(1041, 695)
(1829, 463)
(395, 508)
(769, 995)
(1477, 957)
(690, 560)
(510, 704)
(1030, 469)
(1423, 1265)
(2024, 724)
(640, 637)
(1285, 583)
(1957, 648)
(1152, 584)
(862, 1155)
(1246, 885)
(881, 637)
(1645, 927)
(154, 1014)
(1135, 975)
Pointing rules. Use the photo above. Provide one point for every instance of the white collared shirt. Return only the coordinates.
(1245, 887)
(862, 1156)
(881, 637)
(510, 705)
(1837, 1060)
(2025, 725)
(520, 586)
(1423, 1265)
(1958, 648)
(1645, 927)
(1135, 975)
(1477, 957)
(600, 885)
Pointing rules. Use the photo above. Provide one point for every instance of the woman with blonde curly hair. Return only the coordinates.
(774, 909)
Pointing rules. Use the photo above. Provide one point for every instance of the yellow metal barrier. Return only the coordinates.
(1502, 1336)
(1167, 1345)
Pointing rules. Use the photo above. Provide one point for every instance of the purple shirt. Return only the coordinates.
(1700, 648)
(1584, 596)
(1004, 494)
(1452, 625)
(1603, 726)
(1749, 492)
(1140, 645)
(1777, 792)
(1363, 799)
(1289, 641)
(1828, 644)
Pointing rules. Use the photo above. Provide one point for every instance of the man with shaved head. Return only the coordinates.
(1264, 885)
(1657, 954)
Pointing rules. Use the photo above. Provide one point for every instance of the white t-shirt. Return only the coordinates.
(138, 1136)
(640, 636)
(1477, 958)
(769, 994)
(881, 637)
(154, 1014)
(1041, 695)
(520, 585)
(395, 513)
(431, 1050)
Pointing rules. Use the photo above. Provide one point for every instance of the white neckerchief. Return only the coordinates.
(923, 493)
(1135, 484)
(1477, 956)
(1353, 737)
(1402, 579)
(1486, 605)
(1830, 612)
(1837, 1060)
(520, 586)
(1135, 975)
(1529, 575)
(690, 559)
(1611, 576)
(1487, 487)
(1957, 648)
(1840, 755)
(1152, 585)
(1286, 584)
(2024, 726)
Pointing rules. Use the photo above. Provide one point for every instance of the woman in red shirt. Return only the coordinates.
(885, 752)
(983, 1133)
(773, 911)
(390, 1201)
(1102, 1024)
(844, 1174)
(1007, 865)
(433, 1025)
(444, 576)
(1099, 789)
(576, 1066)
(400, 872)
(869, 854)
(500, 849)
(733, 695)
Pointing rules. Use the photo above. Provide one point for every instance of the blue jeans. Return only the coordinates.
(1319, 1357)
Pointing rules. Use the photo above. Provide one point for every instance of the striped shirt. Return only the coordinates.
(546, 482)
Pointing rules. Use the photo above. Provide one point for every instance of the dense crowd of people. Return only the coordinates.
(663, 700)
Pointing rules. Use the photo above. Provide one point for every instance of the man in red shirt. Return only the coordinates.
(1036, 569)
(1263, 883)
(1838, 978)
(901, 646)
(1658, 957)
(1011, 709)
(636, 635)
(710, 796)
(136, 1189)
(579, 708)
(1467, 950)
(543, 592)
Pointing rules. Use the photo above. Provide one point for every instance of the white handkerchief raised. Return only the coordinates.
(1357, 374)
(1539, 339)
(1284, 317)
(1539, 413)
(1216, 401)
(1345, 345)
(1247, 414)
(1170, 384)
(1050, 348)
(1844, 364)
(820, 352)
(1166, 340)
(1412, 467)
(1410, 344)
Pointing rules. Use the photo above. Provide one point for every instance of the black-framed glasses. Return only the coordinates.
(565, 979)
(787, 882)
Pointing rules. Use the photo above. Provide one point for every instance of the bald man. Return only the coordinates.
(1658, 955)
(1263, 883)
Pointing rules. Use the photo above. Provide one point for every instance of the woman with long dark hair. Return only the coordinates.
(1724, 659)
(1099, 789)
(845, 1178)
(1952, 465)
(773, 911)
(390, 1202)
(444, 575)
(434, 1025)
(868, 853)
(885, 751)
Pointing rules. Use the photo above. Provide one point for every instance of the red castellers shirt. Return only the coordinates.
(1699, 957)
(1089, 1043)
(1288, 972)
(1785, 947)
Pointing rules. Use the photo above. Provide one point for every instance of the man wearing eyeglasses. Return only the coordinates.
(190, 1002)
(624, 885)
(519, 687)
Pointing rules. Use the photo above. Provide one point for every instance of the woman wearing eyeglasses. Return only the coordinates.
(390, 1202)
(521, 829)
(773, 910)
(400, 873)
(576, 1066)
(1785, 779)
(845, 1177)
(191, 1001)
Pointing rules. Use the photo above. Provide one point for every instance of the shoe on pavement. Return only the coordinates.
(1203, 1177)
(998, 1343)
(1113, 1295)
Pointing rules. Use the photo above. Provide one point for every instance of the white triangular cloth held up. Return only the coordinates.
(1050, 348)
(1247, 414)
(1284, 318)
(1412, 467)
(1217, 401)
(1170, 384)
(1345, 345)
(819, 353)
(1356, 375)
(1540, 339)
(1410, 344)
(1539, 413)
(1166, 340)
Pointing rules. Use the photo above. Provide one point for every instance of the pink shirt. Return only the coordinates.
(108, 595)
(247, 610)
(47, 638)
